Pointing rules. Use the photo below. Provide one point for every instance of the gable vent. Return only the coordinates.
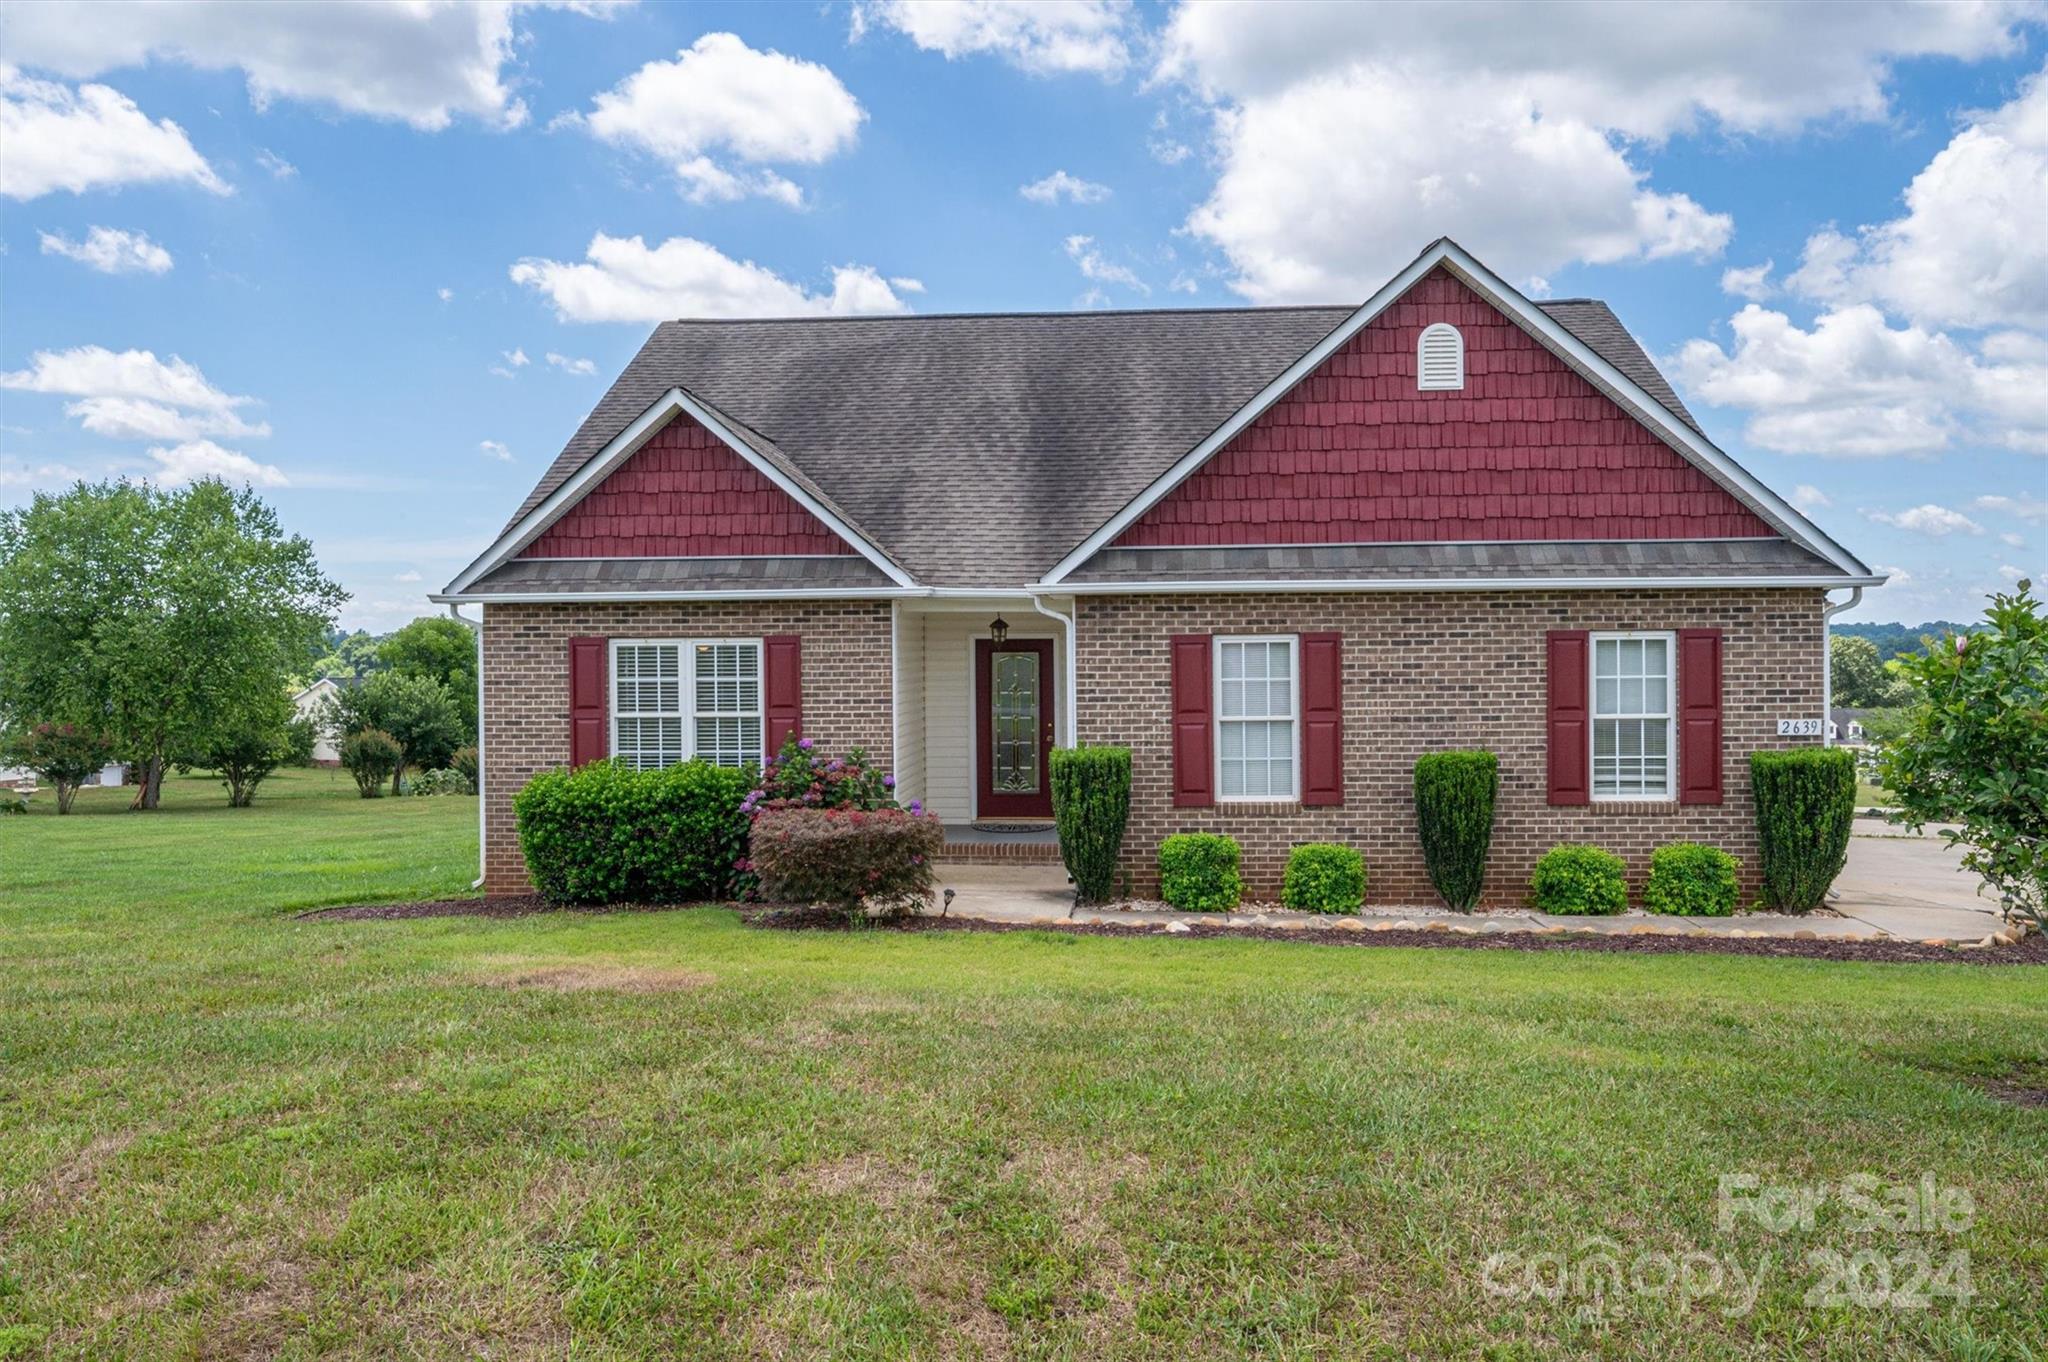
(1440, 358)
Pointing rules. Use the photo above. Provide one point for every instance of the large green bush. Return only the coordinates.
(1692, 880)
(1091, 802)
(370, 755)
(1324, 878)
(605, 833)
(1198, 872)
(1805, 807)
(853, 860)
(1579, 881)
(1454, 793)
(63, 754)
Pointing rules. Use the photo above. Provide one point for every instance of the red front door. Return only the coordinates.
(1013, 707)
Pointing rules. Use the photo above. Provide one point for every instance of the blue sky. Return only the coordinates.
(381, 261)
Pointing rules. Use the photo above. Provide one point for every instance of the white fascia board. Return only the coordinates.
(1654, 413)
(622, 447)
(1362, 584)
(837, 593)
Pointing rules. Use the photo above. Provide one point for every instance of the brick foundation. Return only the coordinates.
(1429, 671)
(526, 686)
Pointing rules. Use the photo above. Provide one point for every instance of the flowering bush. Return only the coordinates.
(63, 754)
(850, 859)
(798, 777)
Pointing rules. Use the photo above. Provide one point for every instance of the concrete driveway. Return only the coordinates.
(1911, 886)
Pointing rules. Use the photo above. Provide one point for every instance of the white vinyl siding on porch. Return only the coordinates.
(945, 643)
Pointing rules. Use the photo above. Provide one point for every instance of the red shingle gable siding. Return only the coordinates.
(685, 494)
(1526, 450)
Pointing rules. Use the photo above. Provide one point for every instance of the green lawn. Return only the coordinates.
(225, 1132)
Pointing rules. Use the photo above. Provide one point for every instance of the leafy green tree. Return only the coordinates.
(152, 615)
(443, 649)
(1857, 673)
(1976, 754)
(415, 710)
(347, 657)
(247, 746)
(63, 754)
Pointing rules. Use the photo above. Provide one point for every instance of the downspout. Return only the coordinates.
(1827, 660)
(1073, 670)
(455, 613)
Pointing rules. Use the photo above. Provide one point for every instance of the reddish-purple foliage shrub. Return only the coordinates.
(850, 859)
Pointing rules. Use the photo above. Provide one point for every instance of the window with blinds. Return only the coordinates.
(1256, 709)
(1632, 712)
(677, 699)
(1440, 358)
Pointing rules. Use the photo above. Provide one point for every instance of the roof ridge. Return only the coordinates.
(1021, 314)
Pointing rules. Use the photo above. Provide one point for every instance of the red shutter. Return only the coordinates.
(589, 721)
(1322, 719)
(1699, 716)
(1569, 737)
(1194, 763)
(783, 687)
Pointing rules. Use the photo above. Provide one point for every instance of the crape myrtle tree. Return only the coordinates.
(153, 615)
(1975, 752)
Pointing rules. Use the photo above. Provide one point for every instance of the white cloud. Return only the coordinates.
(279, 168)
(1749, 281)
(445, 294)
(2025, 507)
(422, 63)
(1971, 250)
(1094, 265)
(1855, 385)
(582, 367)
(2014, 541)
(406, 577)
(40, 475)
(196, 459)
(721, 100)
(903, 285)
(622, 279)
(1898, 576)
(1168, 152)
(1043, 37)
(91, 137)
(95, 371)
(516, 357)
(2011, 573)
(1937, 521)
(1060, 185)
(1348, 136)
(1807, 497)
(492, 449)
(131, 418)
(111, 251)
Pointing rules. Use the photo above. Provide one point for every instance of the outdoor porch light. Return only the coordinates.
(999, 630)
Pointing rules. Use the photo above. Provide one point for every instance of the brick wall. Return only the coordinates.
(1428, 671)
(526, 685)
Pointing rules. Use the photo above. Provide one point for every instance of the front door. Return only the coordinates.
(1013, 728)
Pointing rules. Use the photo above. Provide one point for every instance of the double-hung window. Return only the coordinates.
(1633, 706)
(1257, 718)
(677, 699)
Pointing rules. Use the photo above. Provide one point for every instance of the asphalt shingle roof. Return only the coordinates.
(978, 450)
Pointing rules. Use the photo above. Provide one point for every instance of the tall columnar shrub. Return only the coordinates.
(370, 756)
(1805, 804)
(1091, 802)
(1693, 880)
(1454, 793)
(849, 859)
(1579, 880)
(1323, 878)
(605, 833)
(1198, 872)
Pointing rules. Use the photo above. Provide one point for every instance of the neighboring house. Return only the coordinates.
(1845, 728)
(1277, 552)
(311, 703)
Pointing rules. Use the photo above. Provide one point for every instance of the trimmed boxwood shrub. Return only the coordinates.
(848, 859)
(606, 833)
(1454, 794)
(1198, 872)
(1805, 806)
(1579, 880)
(1692, 880)
(1324, 878)
(1091, 802)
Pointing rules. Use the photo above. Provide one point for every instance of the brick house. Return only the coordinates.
(1277, 552)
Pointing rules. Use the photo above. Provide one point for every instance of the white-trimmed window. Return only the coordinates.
(674, 699)
(1258, 710)
(1634, 704)
(1440, 357)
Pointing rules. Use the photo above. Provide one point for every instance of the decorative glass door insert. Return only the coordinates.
(1013, 723)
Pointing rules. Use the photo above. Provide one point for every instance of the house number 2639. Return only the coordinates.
(1799, 728)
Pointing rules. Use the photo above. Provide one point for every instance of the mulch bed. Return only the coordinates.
(2032, 951)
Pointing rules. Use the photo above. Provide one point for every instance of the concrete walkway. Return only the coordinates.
(1895, 885)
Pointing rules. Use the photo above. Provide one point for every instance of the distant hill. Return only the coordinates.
(1894, 639)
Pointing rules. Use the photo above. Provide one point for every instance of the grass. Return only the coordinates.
(225, 1131)
(1869, 796)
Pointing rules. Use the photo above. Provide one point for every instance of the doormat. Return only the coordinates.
(1012, 827)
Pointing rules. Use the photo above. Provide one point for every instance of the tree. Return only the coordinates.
(63, 754)
(346, 657)
(1856, 672)
(152, 615)
(443, 650)
(415, 710)
(245, 747)
(1976, 753)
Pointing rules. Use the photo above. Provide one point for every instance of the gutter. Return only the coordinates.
(1827, 661)
(1198, 587)
(455, 613)
(1073, 705)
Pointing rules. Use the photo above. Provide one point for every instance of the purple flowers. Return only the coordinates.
(804, 743)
